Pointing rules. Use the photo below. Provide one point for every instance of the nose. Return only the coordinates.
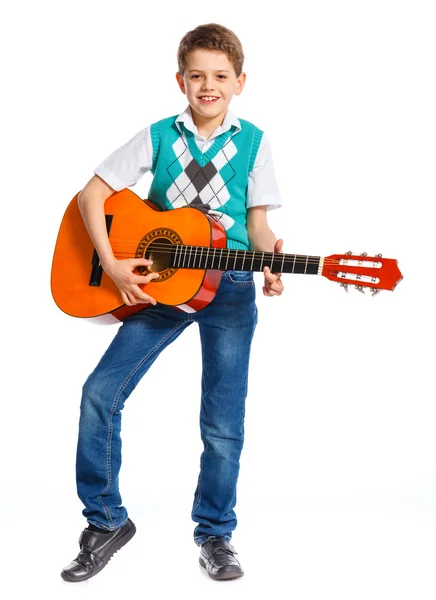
(208, 83)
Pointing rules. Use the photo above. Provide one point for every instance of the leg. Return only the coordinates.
(226, 330)
(137, 344)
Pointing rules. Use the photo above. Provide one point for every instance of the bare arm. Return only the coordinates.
(262, 238)
(91, 204)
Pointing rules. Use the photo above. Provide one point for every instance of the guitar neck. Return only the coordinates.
(224, 259)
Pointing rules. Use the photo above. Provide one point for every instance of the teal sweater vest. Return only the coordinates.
(215, 182)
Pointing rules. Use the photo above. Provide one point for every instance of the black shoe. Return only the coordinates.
(217, 557)
(96, 550)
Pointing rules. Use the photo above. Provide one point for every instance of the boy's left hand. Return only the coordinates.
(273, 284)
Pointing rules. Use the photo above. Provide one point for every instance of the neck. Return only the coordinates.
(202, 257)
(205, 125)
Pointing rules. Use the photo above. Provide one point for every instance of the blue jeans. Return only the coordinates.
(226, 326)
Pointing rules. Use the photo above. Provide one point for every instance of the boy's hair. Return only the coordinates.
(211, 37)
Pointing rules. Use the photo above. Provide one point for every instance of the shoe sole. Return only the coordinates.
(224, 575)
(122, 541)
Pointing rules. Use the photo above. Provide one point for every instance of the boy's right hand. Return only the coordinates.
(121, 272)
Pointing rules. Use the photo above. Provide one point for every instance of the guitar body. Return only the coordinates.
(81, 288)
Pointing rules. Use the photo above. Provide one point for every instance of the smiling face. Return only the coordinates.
(209, 83)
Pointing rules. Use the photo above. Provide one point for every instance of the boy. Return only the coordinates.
(209, 159)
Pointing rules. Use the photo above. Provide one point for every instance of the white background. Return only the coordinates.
(337, 488)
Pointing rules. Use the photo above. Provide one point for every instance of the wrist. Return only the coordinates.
(108, 262)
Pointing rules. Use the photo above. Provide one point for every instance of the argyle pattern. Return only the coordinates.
(214, 182)
(203, 187)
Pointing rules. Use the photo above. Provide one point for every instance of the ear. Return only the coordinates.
(181, 82)
(240, 82)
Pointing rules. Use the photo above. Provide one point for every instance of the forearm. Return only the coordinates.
(262, 238)
(92, 210)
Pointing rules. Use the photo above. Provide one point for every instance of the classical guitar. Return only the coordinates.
(188, 249)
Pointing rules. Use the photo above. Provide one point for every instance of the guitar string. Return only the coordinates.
(232, 252)
(238, 253)
(277, 258)
(171, 246)
(234, 256)
(330, 264)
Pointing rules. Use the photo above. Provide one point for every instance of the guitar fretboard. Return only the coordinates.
(224, 259)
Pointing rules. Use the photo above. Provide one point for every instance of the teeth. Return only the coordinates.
(208, 98)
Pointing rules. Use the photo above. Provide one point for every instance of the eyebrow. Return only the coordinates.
(217, 71)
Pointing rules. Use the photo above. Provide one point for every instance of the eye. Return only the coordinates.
(223, 76)
(195, 76)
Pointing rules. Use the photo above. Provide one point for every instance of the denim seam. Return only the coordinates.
(229, 278)
(101, 526)
(114, 406)
(200, 479)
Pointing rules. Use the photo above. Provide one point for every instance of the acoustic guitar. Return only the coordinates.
(188, 249)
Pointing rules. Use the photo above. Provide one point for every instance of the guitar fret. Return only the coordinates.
(190, 252)
(195, 255)
(261, 261)
(201, 255)
(272, 260)
(207, 256)
(219, 262)
(293, 265)
(213, 259)
(236, 256)
(227, 261)
(243, 260)
(252, 260)
(305, 266)
(283, 262)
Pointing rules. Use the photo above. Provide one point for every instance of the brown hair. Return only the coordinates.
(211, 37)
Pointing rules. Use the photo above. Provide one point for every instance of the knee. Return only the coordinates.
(95, 393)
(93, 386)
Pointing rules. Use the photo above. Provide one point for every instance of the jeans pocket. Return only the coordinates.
(240, 277)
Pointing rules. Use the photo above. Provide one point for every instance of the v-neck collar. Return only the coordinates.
(204, 157)
(185, 118)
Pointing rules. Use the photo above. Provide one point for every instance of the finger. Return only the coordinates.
(274, 289)
(131, 299)
(271, 277)
(268, 275)
(267, 291)
(272, 293)
(142, 297)
(277, 286)
(137, 262)
(146, 278)
(125, 299)
(278, 245)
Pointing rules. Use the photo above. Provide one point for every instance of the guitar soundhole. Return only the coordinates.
(158, 246)
(159, 252)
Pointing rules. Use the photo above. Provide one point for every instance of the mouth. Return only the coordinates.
(208, 99)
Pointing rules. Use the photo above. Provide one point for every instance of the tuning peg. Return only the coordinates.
(359, 288)
(344, 285)
(349, 253)
(375, 291)
(364, 254)
(378, 255)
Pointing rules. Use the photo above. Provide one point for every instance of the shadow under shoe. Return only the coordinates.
(217, 557)
(96, 550)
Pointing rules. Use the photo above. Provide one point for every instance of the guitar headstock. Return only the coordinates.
(362, 271)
